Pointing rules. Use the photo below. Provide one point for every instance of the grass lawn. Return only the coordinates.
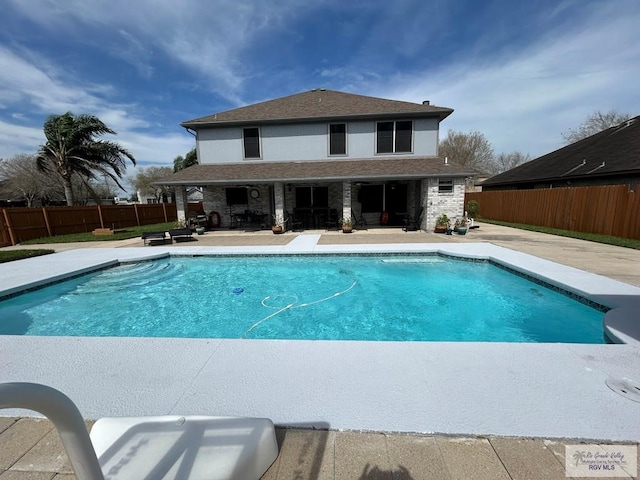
(131, 232)
(10, 255)
(592, 237)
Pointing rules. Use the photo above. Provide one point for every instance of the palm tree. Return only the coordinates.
(73, 148)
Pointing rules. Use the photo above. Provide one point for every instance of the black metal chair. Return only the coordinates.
(359, 222)
(295, 224)
(333, 221)
(413, 224)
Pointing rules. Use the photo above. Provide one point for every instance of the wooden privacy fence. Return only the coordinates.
(20, 224)
(608, 210)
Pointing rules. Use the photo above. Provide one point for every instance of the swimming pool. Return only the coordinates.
(358, 297)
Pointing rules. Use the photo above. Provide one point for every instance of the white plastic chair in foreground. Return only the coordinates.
(165, 447)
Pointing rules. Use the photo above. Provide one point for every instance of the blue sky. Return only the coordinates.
(519, 72)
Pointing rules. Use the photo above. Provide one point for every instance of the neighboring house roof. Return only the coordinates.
(612, 152)
(194, 194)
(315, 105)
(366, 169)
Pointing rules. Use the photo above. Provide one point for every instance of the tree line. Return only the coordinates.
(76, 165)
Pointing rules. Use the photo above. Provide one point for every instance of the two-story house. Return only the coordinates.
(324, 152)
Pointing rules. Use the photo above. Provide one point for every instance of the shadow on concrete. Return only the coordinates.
(302, 448)
(375, 473)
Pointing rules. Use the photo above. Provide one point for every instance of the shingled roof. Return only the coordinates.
(335, 170)
(612, 152)
(318, 105)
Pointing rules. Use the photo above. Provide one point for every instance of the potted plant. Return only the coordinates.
(461, 226)
(442, 224)
(347, 225)
(278, 224)
(473, 208)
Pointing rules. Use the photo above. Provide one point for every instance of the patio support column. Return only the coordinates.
(428, 221)
(181, 203)
(278, 200)
(346, 199)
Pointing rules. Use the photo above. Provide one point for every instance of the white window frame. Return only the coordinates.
(393, 140)
(244, 149)
(346, 140)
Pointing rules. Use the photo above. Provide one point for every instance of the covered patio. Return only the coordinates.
(317, 195)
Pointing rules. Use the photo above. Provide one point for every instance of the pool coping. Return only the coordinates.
(440, 387)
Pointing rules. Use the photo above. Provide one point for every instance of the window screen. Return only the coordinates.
(403, 136)
(251, 142)
(394, 137)
(337, 139)
(385, 137)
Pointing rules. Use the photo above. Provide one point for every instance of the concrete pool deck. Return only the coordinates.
(477, 389)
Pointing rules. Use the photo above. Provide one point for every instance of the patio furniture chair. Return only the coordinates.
(197, 219)
(333, 221)
(295, 224)
(181, 234)
(413, 224)
(255, 221)
(154, 238)
(359, 222)
(170, 447)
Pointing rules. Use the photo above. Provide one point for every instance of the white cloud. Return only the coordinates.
(39, 88)
(524, 99)
(134, 52)
(156, 150)
(207, 38)
(16, 139)
(28, 79)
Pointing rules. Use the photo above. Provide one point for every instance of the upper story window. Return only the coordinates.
(394, 137)
(251, 137)
(338, 139)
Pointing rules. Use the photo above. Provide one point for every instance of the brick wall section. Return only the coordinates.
(435, 203)
(215, 198)
(347, 190)
(181, 204)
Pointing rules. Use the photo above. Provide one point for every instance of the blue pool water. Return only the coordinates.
(402, 298)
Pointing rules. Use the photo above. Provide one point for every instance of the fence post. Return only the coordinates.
(135, 209)
(9, 227)
(100, 215)
(164, 209)
(46, 221)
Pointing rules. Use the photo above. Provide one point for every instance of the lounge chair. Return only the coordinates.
(167, 447)
(154, 238)
(181, 235)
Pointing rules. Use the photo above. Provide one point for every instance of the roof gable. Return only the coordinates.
(318, 104)
(613, 151)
